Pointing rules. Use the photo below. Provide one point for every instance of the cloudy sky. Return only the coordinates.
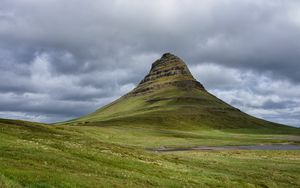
(60, 59)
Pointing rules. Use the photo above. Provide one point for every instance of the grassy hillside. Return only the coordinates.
(39, 155)
(179, 109)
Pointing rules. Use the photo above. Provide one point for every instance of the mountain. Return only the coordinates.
(119, 144)
(170, 96)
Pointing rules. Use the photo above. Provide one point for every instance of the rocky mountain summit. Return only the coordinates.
(168, 71)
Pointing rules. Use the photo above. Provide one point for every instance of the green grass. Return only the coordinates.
(109, 148)
(39, 155)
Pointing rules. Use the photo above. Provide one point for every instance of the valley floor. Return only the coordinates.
(37, 155)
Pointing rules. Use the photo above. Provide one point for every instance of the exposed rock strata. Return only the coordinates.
(168, 71)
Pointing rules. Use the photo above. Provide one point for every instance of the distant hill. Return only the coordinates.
(170, 96)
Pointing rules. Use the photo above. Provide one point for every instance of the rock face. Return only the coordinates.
(168, 71)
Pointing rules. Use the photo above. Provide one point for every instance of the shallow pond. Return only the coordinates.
(249, 147)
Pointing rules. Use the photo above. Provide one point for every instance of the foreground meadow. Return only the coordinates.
(37, 155)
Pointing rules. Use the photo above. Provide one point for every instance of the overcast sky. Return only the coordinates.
(60, 59)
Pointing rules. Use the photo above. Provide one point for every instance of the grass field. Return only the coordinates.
(38, 155)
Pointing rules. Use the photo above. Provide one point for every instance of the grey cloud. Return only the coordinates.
(87, 51)
(260, 95)
(279, 105)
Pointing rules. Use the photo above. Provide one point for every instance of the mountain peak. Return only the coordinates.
(168, 71)
(166, 58)
(168, 55)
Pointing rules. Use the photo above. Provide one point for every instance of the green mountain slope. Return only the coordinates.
(169, 96)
